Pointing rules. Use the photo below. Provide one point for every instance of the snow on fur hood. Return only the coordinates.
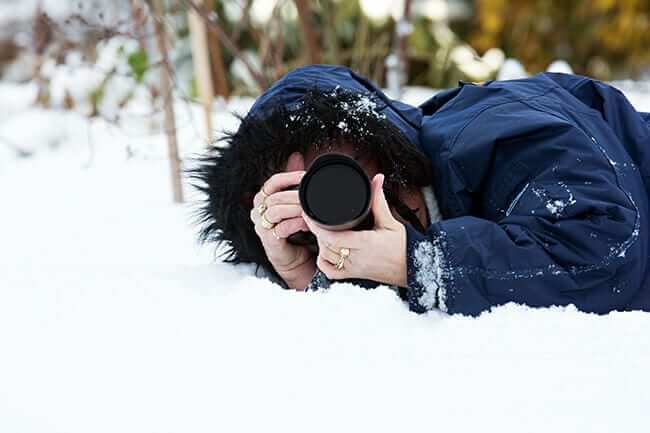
(290, 90)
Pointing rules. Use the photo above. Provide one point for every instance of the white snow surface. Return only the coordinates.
(113, 319)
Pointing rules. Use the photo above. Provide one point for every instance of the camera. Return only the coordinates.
(335, 193)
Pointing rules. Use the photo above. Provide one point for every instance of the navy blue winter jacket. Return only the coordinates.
(542, 184)
(543, 187)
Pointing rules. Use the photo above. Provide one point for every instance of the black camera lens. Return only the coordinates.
(335, 192)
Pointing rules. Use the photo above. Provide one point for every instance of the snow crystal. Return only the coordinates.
(430, 263)
(368, 106)
(555, 206)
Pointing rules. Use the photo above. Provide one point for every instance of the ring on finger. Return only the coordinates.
(261, 208)
(341, 263)
(344, 253)
(268, 225)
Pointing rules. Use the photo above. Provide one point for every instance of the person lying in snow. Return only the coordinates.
(532, 191)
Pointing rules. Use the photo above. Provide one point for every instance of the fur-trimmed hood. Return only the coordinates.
(290, 91)
(316, 105)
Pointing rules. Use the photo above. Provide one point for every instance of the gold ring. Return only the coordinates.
(341, 263)
(262, 208)
(344, 253)
(268, 225)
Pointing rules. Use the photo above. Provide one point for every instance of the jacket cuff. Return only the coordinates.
(319, 281)
(426, 270)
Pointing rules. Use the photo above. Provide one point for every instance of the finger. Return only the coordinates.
(328, 253)
(259, 198)
(347, 238)
(380, 209)
(296, 162)
(330, 270)
(290, 226)
(281, 181)
(283, 197)
(254, 215)
(267, 236)
(275, 214)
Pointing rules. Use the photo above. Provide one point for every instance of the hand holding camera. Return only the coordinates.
(277, 214)
(338, 221)
(377, 254)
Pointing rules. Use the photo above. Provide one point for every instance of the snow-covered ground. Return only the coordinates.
(112, 318)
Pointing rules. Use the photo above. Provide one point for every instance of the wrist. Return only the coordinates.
(399, 259)
(394, 266)
(298, 278)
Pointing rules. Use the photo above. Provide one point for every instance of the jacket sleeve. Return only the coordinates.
(567, 236)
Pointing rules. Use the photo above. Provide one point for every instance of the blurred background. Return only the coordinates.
(160, 78)
(114, 319)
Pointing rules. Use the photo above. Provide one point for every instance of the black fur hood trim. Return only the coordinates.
(234, 169)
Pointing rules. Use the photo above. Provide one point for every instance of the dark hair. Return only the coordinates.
(233, 170)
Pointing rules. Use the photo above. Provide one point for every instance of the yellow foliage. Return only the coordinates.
(594, 36)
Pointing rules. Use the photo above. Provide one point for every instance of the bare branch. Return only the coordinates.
(213, 25)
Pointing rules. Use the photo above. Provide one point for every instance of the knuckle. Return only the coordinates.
(281, 230)
(267, 187)
(272, 214)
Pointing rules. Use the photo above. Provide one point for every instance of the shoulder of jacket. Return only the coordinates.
(495, 114)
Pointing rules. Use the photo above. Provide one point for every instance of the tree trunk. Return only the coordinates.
(219, 76)
(310, 40)
(202, 69)
(168, 101)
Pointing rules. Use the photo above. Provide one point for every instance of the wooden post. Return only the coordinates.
(168, 101)
(201, 61)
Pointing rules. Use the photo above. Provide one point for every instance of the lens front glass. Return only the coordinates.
(337, 193)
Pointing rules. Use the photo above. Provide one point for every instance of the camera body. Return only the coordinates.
(336, 194)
